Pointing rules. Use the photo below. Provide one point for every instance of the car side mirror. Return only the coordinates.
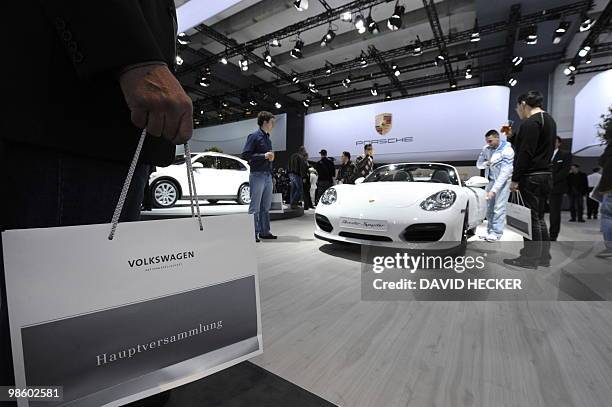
(197, 165)
(359, 180)
(477, 182)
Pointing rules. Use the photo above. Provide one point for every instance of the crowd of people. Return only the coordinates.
(531, 163)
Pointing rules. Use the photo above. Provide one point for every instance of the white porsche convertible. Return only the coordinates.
(411, 205)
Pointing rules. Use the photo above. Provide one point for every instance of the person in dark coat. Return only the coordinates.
(347, 169)
(297, 171)
(578, 187)
(560, 166)
(326, 170)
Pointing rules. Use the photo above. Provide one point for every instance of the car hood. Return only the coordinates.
(389, 194)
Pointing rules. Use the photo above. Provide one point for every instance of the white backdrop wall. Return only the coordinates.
(231, 137)
(591, 102)
(443, 127)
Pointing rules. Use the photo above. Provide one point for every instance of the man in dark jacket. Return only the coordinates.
(578, 186)
(102, 71)
(326, 170)
(365, 163)
(347, 169)
(560, 164)
(297, 171)
(533, 145)
(258, 152)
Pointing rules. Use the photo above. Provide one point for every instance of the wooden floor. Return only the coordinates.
(319, 335)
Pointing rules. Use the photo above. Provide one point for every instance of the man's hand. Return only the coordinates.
(269, 156)
(514, 186)
(490, 195)
(158, 102)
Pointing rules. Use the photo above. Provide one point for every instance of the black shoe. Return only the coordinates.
(522, 262)
(269, 237)
(257, 239)
(544, 263)
(572, 220)
(595, 217)
(588, 217)
(581, 220)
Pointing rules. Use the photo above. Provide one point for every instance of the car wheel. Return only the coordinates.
(244, 194)
(164, 193)
(465, 233)
(212, 201)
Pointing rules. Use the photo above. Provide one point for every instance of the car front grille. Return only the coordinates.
(424, 232)
(364, 236)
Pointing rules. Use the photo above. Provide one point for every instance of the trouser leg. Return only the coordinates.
(555, 201)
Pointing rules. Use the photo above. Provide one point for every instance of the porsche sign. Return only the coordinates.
(383, 123)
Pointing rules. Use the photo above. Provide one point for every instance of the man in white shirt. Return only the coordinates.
(593, 205)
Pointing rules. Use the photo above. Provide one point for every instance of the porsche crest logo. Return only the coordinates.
(383, 123)
(371, 200)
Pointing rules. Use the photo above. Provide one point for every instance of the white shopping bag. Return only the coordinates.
(518, 216)
(162, 304)
(277, 203)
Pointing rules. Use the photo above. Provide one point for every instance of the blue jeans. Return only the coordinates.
(261, 200)
(51, 189)
(606, 219)
(496, 211)
(297, 188)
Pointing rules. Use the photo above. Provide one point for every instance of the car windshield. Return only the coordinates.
(180, 159)
(434, 173)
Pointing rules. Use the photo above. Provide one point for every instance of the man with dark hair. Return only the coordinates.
(297, 169)
(560, 165)
(578, 186)
(102, 73)
(258, 152)
(533, 145)
(345, 173)
(496, 158)
(326, 170)
(365, 163)
(592, 204)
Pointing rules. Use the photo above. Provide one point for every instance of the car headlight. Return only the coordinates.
(439, 201)
(329, 197)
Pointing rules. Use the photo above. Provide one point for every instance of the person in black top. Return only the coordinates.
(297, 171)
(534, 145)
(365, 163)
(345, 173)
(578, 186)
(560, 164)
(326, 170)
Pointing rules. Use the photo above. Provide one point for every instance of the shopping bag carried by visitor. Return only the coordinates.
(277, 203)
(116, 314)
(518, 216)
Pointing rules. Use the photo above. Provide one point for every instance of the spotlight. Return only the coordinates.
(475, 37)
(418, 50)
(307, 102)
(183, 39)
(253, 102)
(396, 70)
(571, 80)
(468, 72)
(312, 87)
(512, 82)
(328, 37)
(584, 51)
(346, 17)
(295, 79)
(300, 5)
(243, 63)
(346, 82)
(336, 105)
(202, 112)
(517, 61)
(586, 24)
(387, 95)
(363, 61)
(296, 52)
(204, 82)
(247, 112)
(328, 68)
(224, 60)
(268, 59)
(563, 27)
(371, 24)
(529, 34)
(275, 43)
(567, 72)
(453, 84)
(395, 21)
(374, 90)
(328, 94)
(277, 105)
(572, 68)
(441, 57)
(179, 60)
(224, 104)
(588, 59)
(359, 22)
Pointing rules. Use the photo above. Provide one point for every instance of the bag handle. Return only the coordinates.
(519, 198)
(130, 175)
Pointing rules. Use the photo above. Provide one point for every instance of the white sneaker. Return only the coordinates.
(491, 238)
(606, 254)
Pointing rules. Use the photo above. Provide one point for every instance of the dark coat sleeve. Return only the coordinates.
(103, 35)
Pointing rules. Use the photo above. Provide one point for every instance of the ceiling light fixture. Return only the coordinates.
(468, 72)
(374, 90)
(584, 51)
(512, 82)
(347, 17)
(475, 37)
(417, 50)
(277, 105)
(183, 39)
(243, 63)
(267, 57)
(360, 24)
(371, 24)
(587, 23)
(395, 21)
(296, 52)
(275, 42)
(300, 5)
(307, 102)
(571, 80)
(588, 59)
(328, 37)
(387, 95)
(329, 68)
(517, 60)
(346, 82)
(396, 70)
(179, 60)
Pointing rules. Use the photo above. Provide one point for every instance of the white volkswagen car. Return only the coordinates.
(411, 205)
(217, 177)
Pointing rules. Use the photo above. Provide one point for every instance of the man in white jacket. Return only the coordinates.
(496, 158)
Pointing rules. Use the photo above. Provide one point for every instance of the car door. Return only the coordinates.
(204, 176)
(230, 175)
